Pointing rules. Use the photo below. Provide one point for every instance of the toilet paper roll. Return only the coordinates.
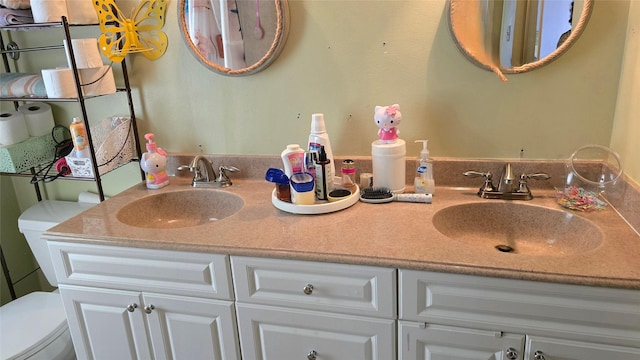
(98, 81)
(48, 10)
(81, 12)
(39, 118)
(85, 52)
(13, 128)
(59, 83)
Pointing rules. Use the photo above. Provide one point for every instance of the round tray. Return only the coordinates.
(319, 208)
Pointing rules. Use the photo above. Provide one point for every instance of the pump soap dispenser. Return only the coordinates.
(424, 183)
(154, 164)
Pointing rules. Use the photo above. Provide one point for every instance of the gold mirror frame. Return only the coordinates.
(464, 29)
(281, 33)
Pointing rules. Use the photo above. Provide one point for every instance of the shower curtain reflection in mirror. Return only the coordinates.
(214, 28)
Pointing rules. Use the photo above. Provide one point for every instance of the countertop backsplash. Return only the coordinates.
(625, 197)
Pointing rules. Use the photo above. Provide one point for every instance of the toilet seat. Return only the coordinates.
(33, 325)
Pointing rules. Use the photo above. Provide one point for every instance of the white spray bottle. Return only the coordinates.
(424, 182)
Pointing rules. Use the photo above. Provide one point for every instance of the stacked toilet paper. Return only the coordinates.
(76, 11)
(95, 78)
(31, 119)
(13, 128)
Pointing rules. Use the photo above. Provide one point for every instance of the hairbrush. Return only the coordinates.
(378, 195)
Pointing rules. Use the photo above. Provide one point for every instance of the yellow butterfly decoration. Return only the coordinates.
(139, 33)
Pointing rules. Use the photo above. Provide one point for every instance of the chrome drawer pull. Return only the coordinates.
(511, 354)
(312, 355)
(308, 289)
(149, 308)
(538, 355)
(132, 307)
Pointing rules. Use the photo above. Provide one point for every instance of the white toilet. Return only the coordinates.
(34, 326)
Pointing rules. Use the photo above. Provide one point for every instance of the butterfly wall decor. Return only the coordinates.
(141, 32)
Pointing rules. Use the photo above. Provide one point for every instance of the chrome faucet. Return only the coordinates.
(207, 178)
(510, 187)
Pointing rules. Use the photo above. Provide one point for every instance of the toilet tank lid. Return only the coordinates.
(29, 322)
(48, 213)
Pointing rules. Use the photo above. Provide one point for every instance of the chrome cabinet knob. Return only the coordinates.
(308, 289)
(149, 308)
(538, 355)
(132, 307)
(511, 354)
(312, 355)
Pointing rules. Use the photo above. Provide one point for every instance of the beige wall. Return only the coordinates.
(344, 57)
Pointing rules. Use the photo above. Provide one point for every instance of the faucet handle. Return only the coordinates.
(536, 176)
(223, 178)
(522, 186)
(488, 179)
(197, 174)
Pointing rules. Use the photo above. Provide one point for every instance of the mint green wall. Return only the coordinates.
(343, 58)
(19, 259)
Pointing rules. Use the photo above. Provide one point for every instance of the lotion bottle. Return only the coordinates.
(293, 160)
(424, 183)
(79, 138)
(319, 137)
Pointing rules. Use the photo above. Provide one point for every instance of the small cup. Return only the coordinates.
(277, 176)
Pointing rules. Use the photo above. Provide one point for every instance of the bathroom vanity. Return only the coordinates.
(374, 281)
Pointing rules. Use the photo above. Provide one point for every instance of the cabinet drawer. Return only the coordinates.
(168, 272)
(352, 289)
(271, 333)
(612, 315)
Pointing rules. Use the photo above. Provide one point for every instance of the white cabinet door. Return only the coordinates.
(541, 348)
(272, 333)
(191, 328)
(437, 342)
(106, 324)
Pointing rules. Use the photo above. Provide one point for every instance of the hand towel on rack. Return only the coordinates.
(10, 17)
(21, 85)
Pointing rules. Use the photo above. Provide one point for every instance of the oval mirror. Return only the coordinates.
(515, 36)
(234, 37)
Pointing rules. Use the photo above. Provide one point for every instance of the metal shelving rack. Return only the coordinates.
(11, 50)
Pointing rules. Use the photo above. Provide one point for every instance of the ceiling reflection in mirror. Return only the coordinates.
(234, 37)
(514, 36)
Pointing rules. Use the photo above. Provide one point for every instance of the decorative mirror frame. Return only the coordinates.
(481, 59)
(281, 33)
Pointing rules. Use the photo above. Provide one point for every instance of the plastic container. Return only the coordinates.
(302, 189)
(293, 159)
(319, 137)
(388, 161)
(424, 182)
(79, 138)
(281, 181)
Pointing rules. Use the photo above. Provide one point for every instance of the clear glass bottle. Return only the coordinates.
(348, 172)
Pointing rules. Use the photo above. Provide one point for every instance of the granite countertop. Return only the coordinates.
(390, 235)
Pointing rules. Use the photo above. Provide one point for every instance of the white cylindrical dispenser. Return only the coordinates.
(388, 161)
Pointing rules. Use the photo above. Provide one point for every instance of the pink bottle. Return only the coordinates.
(154, 164)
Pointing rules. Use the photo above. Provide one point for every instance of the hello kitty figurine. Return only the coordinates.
(154, 164)
(387, 118)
